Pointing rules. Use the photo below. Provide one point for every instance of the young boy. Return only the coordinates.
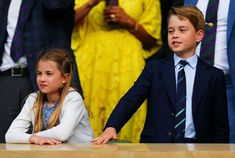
(186, 96)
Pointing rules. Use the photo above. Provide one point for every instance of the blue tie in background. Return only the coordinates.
(180, 104)
(208, 43)
(17, 48)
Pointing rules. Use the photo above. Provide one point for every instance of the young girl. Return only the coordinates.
(56, 112)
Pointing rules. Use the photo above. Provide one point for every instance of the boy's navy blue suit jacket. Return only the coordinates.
(157, 84)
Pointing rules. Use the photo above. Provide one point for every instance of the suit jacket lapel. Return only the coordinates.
(4, 7)
(200, 83)
(231, 18)
(168, 73)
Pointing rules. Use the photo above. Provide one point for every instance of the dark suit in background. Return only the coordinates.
(157, 84)
(49, 24)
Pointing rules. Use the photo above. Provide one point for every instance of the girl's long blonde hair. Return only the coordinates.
(65, 65)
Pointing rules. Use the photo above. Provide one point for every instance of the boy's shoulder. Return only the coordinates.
(210, 68)
(158, 62)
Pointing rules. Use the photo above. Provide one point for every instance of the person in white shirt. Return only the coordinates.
(56, 112)
(224, 54)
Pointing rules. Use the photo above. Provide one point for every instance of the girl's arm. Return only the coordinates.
(17, 131)
(72, 113)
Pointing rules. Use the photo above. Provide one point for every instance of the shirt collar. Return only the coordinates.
(192, 61)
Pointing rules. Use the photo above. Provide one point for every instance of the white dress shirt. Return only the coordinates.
(221, 57)
(12, 19)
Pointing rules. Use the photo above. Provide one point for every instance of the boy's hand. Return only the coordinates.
(34, 139)
(108, 134)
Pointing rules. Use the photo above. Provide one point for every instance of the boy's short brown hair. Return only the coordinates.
(192, 13)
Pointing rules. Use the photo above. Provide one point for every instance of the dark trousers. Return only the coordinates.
(13, 91)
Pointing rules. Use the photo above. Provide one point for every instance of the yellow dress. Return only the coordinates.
(110, 60)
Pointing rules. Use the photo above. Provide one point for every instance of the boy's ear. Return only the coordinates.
(200, 35)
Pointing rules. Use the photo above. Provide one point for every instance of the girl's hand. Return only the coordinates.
(33, 139)
(115, 14)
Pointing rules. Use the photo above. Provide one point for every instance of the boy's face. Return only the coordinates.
(182, 37)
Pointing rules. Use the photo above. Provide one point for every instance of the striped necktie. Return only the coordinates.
(180, 104)
(208, 42)
(17, 46)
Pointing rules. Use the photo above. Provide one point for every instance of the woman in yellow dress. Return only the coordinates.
(111, 43)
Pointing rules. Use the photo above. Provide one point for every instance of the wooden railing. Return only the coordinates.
(124, 150)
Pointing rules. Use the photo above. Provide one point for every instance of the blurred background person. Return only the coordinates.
(218, 45)
(111, 41)
(27, 27)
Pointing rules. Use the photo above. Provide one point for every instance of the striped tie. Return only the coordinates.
(180, 104)
(208, 43)
(17, 48)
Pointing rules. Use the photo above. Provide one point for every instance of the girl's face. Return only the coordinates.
(49, 77)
